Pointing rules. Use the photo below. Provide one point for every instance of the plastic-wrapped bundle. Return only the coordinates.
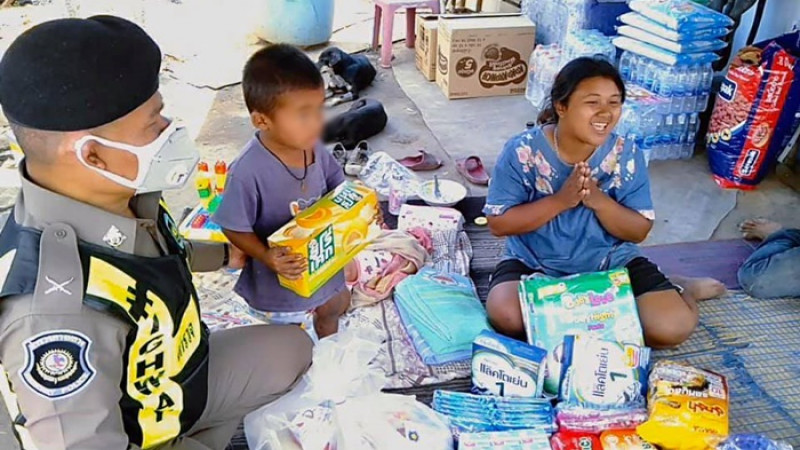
(662, 55)
(588, 43)
(470, 413)
(694, 46)
(555, 19)
(753, 442)
(505, 440)
(639, 21)
(546, 61)
(681, 15)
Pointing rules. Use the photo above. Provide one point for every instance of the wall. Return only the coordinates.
(779, 17)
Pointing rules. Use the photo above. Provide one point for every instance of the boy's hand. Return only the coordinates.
(281, 261)
(379, 217)
(595, 196)
(574, 189)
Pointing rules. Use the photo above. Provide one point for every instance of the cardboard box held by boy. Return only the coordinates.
(329, 234)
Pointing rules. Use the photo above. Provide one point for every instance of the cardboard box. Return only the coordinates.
(426, 44)
(329, 234)
(484, 55)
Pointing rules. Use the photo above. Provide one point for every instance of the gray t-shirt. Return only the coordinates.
(260, 197)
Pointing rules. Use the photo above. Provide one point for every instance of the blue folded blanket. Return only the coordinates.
(442, 315)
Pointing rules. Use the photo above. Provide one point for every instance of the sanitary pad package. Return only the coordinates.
(661, 55)
(598, 304)
(506, 367)
(694, 46)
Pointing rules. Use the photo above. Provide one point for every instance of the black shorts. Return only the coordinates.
(645, 276)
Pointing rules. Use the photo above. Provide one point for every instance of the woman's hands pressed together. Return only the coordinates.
(581, 188)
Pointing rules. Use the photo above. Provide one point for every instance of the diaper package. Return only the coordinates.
(505, 440)
(639, 21)
(624, 440)
(661, 55)
(329, 234)
(694, 46)
(506, 367)
(689, 407)
(604, 374)
(681, 15)
(598, 304)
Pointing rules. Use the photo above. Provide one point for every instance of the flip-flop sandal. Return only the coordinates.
(472, 169)
(339, 154)
(358, 159)
(421, 162)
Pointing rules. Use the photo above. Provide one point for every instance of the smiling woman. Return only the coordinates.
(572, 197)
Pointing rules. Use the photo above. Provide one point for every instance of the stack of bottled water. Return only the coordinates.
(669, 48)
(547, 60)
(588, 43)
(543, 67)
(555, 19)
(687, 88)
(661, 134)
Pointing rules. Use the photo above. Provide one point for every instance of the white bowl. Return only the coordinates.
(451, 192)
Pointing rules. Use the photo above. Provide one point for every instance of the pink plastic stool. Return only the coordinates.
(384, 12)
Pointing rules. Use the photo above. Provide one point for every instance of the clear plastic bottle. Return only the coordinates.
(625, 66)
(682, 132)
(691, 135)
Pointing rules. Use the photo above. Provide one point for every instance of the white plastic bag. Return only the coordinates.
(396, 422)
(340, 370)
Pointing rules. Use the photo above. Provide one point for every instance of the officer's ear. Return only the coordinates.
(90, 151)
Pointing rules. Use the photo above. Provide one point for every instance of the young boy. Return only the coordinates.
(280, 172)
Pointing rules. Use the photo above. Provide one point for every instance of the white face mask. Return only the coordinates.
(166, 163)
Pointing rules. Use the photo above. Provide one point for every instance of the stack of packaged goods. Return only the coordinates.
(547, 60)
(668, 53)
(555, 19)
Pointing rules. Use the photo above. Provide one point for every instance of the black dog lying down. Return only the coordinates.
(355, 70)
(364, 119)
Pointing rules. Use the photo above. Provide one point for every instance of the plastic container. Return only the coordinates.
(297, 22)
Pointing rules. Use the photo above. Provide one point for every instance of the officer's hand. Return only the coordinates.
(281, 261)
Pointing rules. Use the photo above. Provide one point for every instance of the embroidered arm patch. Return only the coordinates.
(57, 363)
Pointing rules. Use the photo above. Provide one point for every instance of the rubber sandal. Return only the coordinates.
(358, 159)
(472, 169)
(339, 154)
(421, 162)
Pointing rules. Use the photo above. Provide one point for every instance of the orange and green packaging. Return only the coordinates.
(329, 234)
(624, 440)
(689, 408)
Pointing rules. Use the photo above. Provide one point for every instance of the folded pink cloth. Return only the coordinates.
(387, 261)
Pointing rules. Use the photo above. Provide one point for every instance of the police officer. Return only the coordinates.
(100, 330)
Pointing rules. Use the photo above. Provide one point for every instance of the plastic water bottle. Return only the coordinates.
(691, 135)
(625, 62)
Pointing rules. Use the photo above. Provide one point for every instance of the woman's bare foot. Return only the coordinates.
(700, 288)
(759, 229)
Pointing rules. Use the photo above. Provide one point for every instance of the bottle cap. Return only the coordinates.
(481, 221)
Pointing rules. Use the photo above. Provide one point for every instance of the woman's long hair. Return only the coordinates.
(570, 77)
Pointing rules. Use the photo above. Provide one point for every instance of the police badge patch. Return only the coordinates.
(57, 363)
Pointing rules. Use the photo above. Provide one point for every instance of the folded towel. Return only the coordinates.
(441, 313)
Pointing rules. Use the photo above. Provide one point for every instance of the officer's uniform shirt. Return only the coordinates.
(88, 417)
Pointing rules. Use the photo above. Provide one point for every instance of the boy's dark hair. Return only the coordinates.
(571, 76)
(274, 71)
